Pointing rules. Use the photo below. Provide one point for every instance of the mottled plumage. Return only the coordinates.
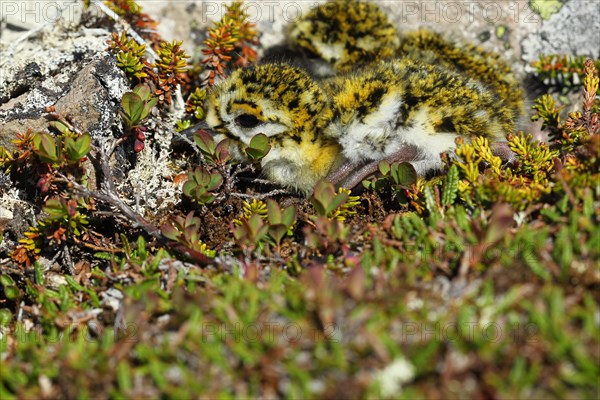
(400, 110)
(285, 104)
(331, 31)
(405, 110)
(475, 62)
(409, 100)
(343, 34)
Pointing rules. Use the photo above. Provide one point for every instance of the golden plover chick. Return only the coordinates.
(405, 110)
(339, 35)
(399, 110)
(484, 66)
(286, 105)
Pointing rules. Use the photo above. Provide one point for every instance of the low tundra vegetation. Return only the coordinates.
(480, 282)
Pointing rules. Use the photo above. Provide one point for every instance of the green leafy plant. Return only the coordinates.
(65, 150)
(217, 159)
(535, 159)
(47, 149)
(138, 252)
(10, 288)
(397, 181)
(530, 177)
(195, 103)
(520, 185)
(130, 57)
(67, 213)
(202, 184)
(216, 154)
(436, 196)
(42, 155)
(48, 159)
(549, 113)
(258, 148)
(137, 106)
(333, 205)
(163, 77)
(580, 125)
(402, 174)
(22, 153)
(64, 221)
(251, 233)
(186, 231)
(183, 125)
(327, 233)
(171, 69)
(6, 158)
(77, 148)
(325, 200)
(327, 236)
(281, 221)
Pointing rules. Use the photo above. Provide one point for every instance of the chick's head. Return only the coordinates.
(287, 106)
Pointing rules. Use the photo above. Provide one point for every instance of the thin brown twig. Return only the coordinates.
(261, 196)
(112, 198)
(97, 248)
(115, 201)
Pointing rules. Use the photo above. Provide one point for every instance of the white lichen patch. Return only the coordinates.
(151, 179)
(9, 201)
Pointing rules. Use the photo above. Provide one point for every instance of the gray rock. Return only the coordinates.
(53, 66)
(573, 30)
(94, 96)
(56, 65)
(89, 100)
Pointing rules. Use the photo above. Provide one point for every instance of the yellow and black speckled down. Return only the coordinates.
(455, 102)
(345, 33)
(286, 88)
(372, 114)
(411, 106)
(379, 109)
(485, 66)
(350, 33)
(285, 104)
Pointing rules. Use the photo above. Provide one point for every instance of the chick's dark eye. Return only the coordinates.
(311, 55)
(247, 121)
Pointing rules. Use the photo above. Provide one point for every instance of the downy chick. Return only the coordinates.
(405, 110)
(350, 34)
(339, 35)
(286, 105)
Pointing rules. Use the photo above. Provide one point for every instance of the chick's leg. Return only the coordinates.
(350, 174)
(501, 149)
(355, 176)
(338, 175)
